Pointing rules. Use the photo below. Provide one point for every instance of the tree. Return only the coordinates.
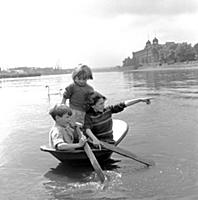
(196, 48)
(127, 62)
(167, 53)
(184, 52)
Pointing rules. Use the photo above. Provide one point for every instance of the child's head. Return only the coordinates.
(61, 114)
(81, 74)
(96, 101)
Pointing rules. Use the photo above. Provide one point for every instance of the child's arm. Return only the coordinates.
(134, 101)
(72, 146)
(65, 96)
(67, 93)
(61, 144)
(63, 100)
(120, 107)
(94, 139)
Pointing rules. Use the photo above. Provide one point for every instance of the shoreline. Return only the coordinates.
(20, 75)
(164, 67)
(176, 66)
(161, 69)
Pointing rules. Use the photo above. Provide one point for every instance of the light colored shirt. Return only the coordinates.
(59, 134)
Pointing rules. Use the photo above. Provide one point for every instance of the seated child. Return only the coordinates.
(98, 118)
(77, 92)
(62, 134)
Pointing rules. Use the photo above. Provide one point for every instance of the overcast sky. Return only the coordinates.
(100, 33)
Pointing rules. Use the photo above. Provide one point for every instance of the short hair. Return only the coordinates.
(83, 72)
(60, 110)
(93, 98)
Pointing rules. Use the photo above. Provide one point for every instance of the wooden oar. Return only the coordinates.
(94, 162)
(127, 153)
(92, 159)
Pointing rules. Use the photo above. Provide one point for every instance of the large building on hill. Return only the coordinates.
(148, 55)
(155, 54)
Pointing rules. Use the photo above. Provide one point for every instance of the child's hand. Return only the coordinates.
(83, 138)
(78, 124)
(96, 143)
(147, 100)
(82, 141)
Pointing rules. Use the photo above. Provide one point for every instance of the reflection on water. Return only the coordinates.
(67, 180)
(180, 83)
(165, 131)
(80, 171)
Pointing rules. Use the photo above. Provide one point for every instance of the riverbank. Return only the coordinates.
(175, 66)
(18, 75)
(152, 67)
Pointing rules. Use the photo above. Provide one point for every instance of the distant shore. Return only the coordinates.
(175, 66)
(154, 67)
(18, 75)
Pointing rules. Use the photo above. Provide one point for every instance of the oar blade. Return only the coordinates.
(91, 156)
(94, 163)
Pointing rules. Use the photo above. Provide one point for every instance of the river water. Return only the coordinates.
(165, 131)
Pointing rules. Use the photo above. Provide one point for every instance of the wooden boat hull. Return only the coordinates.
(120, 129)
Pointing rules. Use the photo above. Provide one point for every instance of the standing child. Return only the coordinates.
(98, 118)
(78, 91)
(63, 134)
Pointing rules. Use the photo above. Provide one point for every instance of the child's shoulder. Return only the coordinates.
(74, 86)
(71, 85)
(89, 86)
(56, 129)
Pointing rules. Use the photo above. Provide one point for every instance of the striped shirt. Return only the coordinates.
(100, 123)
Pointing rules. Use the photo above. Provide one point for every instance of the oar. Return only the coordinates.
(127, 153)
(92, 159)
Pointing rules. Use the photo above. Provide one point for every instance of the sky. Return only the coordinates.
(99, 33)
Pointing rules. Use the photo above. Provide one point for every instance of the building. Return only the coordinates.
(148, 55)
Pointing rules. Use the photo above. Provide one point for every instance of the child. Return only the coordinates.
(62, 134)
(98, 119)
(77, 92)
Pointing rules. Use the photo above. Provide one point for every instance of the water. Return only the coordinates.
(165, 131)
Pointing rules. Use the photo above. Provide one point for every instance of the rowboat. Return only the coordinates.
(120, 129)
